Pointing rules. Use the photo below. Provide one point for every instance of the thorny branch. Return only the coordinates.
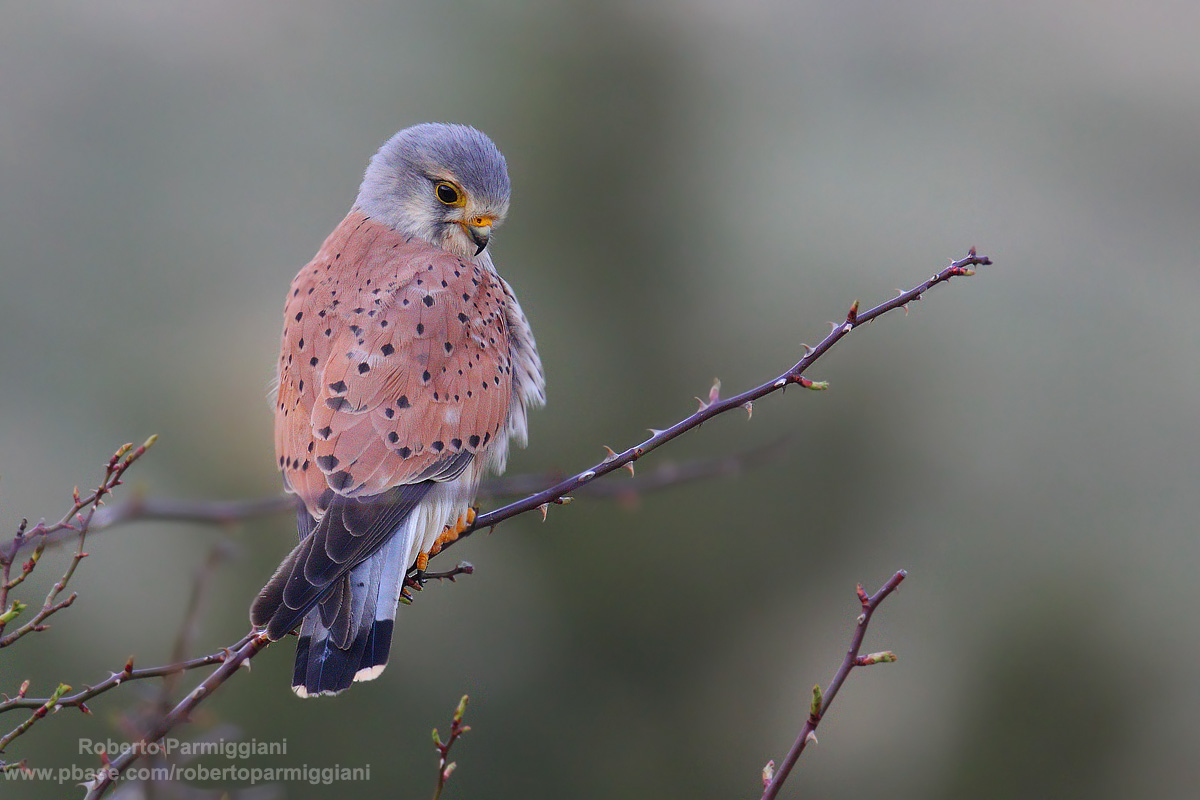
(560, 493)
(76, 522)
(127, 674)
(772, 779)
(246, 648)
(230, 659)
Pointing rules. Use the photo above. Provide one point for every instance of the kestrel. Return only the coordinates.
(406, 367)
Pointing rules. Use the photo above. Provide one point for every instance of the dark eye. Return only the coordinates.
(448, 193)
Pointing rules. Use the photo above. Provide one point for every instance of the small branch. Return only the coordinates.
(248, 647)
(77, 521)
(43, 709)
(201, 583)
(462, 568)
(457, 729)
(231, 512)
(559, 492)
(822, 701)
(117, 678)
(214, 512)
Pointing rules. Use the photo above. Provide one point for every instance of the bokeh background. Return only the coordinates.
(698, 188)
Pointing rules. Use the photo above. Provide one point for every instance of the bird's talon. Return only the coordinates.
(450, 533)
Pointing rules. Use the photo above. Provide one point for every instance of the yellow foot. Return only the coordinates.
(422, 561)
(451, 533)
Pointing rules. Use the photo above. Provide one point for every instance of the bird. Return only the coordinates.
(405, 369)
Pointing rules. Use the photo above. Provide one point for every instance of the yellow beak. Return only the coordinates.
(480, 230)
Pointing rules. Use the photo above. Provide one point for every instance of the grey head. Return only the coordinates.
(446, 184)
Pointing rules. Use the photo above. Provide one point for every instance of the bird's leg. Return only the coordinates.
(449, 534)
(417, 579)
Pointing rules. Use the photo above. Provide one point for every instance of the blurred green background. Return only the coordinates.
(698, 188)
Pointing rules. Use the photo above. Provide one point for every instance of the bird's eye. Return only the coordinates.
(448, 193)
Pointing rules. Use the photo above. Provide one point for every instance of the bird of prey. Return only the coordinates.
(406, 367)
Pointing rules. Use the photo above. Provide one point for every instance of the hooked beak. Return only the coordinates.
(480, 230)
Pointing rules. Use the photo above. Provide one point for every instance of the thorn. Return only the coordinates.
(629, 467)
(971, 252)
(703, 405)
(545, 509)
(779, 384)
(808, 348)
(749, 406)
(654, 432)
(812, 737)
(587, 476)
(611, 454)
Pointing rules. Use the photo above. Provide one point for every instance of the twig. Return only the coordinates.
(77, 520)
(248, 647)
(201, 583)
(47, 706)
(115, 679)
(230, 512)
(561, 492)
(457, 729)
(168, 671)
(821, 702)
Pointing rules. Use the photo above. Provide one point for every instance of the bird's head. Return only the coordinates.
(446, 184)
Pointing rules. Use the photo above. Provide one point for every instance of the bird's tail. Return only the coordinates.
(347, 635)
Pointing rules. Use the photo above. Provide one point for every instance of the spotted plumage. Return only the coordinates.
(406, 366)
